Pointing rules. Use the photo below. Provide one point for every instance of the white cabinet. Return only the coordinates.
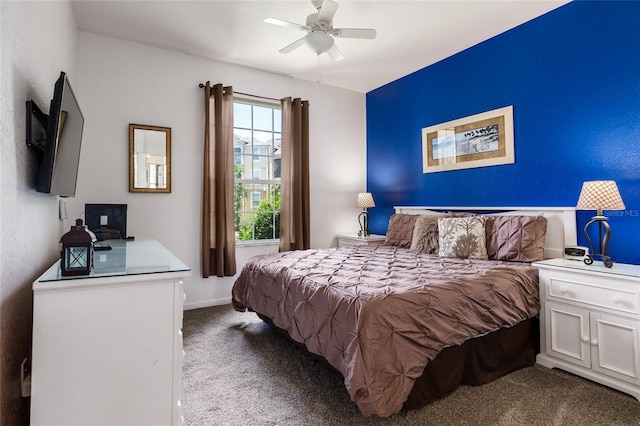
(345, 240)
(590, 321)
(107, 348)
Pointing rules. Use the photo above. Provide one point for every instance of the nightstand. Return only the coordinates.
(345, 240)
(590, 321)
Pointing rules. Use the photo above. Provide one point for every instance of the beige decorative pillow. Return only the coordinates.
(425, 234)
(516, 238)
(400, 230)
(462, 237)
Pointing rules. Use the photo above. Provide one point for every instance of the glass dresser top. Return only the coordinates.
(144, 256)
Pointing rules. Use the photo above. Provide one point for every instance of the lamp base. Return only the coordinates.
(603, 241)
(363, 220)
(606, 260)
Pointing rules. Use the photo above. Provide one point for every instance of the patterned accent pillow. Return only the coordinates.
(425, 234)
(400, 230)
(516, 238)
(462, 237)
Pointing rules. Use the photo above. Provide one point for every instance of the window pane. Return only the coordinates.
(277, 144)
(239, 203)
(243, 170)
(263, 140)
(258, 213)
(241, 141)
(276, 168)
(274, 194)
(262, 118)
(277, 120)
(241, 115)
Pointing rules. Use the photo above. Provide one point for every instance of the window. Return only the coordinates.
(256, 199)
(257, 149)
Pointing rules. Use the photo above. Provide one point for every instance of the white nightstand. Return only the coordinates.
(590, 321)
(353, 240)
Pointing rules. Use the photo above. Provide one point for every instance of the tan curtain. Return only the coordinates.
(218, 233)
(294, 202)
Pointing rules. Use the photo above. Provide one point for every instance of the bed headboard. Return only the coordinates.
(561, 221)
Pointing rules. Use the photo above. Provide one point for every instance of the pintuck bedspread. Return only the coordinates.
(380, 314)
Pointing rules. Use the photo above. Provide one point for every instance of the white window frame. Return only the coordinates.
(252, 152)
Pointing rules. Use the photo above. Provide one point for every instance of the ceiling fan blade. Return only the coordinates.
(335, 54)
(326, 12)
(282, 23)
(299, 42)
(368, 33)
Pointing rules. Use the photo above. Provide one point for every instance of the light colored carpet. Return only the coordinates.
(238, 371)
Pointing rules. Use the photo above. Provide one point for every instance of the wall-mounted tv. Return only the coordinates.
(57, 138)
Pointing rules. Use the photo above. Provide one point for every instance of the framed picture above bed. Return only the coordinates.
(479, 140)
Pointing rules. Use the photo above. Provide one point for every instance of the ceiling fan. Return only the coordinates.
(320, 31)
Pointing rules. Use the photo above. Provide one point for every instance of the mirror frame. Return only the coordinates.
(167, 130)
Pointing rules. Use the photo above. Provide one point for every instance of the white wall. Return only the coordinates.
(122, 82)
(39, 39)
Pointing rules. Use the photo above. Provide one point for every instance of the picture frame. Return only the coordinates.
(480, 140)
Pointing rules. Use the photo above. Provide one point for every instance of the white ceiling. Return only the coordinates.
(411, 34)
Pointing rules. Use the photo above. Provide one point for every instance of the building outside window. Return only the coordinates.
(257, 151)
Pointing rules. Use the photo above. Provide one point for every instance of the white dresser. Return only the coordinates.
(590, 321)
(107, 348)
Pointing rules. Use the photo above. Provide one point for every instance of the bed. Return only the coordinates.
(450, 298)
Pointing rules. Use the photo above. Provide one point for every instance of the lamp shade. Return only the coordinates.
(365, 200)
(600, 195)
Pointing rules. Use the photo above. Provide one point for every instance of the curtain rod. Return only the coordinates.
(202, 86)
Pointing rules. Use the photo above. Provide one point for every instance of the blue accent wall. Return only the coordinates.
(573, 78)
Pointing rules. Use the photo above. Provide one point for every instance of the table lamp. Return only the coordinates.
(365, 200)
(599, 195)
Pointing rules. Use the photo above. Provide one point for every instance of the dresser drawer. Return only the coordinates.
(621, 298)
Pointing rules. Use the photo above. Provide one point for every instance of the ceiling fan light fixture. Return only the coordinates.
(320, 31)
(319, 41)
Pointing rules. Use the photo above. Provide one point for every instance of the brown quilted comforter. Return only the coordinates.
(380, 314)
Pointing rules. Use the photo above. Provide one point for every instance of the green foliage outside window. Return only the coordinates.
(265, 223)
(240, 193)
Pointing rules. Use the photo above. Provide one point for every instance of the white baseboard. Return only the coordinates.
(207, 303)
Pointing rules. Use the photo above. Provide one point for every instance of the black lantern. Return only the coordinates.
(77, 250)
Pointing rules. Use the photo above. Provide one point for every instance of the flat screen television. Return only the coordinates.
(57, 138)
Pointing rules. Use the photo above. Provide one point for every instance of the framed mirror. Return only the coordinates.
(149, 158)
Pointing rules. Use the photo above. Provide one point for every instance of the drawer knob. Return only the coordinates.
(594, 342)
(616, 299)
(585, 339)
(564, 290)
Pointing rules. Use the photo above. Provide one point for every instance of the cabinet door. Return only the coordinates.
(615, 347)
(567, 334)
